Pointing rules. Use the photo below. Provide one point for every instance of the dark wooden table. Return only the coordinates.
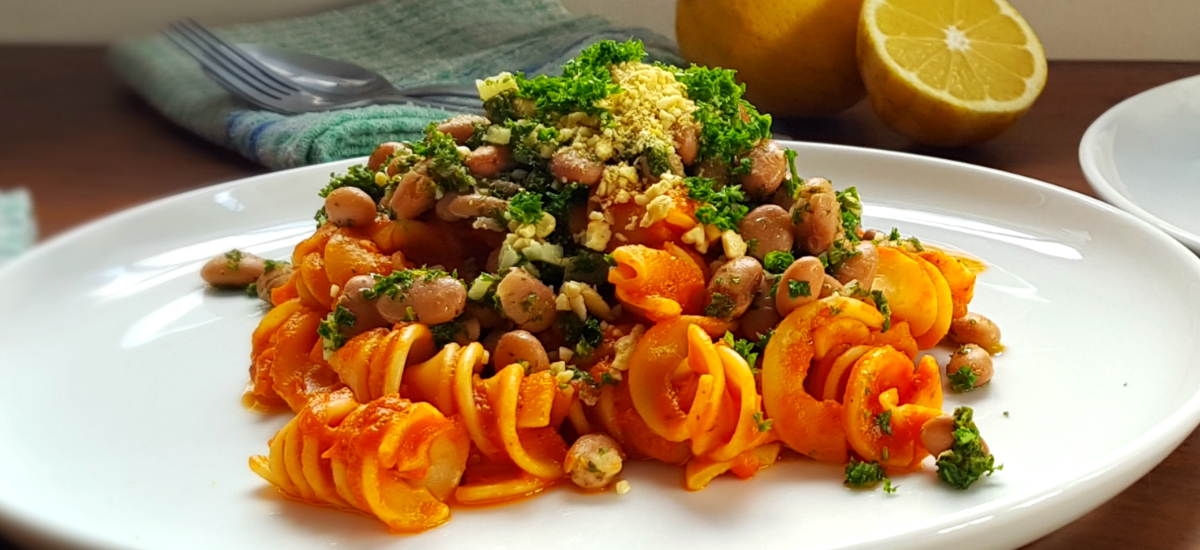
(86, 147)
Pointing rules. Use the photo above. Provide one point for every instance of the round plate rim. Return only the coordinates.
(1091, 150)
(1096, 482)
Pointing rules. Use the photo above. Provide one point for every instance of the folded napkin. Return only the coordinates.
(413, 42)
(17, 229)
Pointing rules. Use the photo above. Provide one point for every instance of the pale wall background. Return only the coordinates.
(1069, 29)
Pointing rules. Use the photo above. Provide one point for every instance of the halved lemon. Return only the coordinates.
(949, 72)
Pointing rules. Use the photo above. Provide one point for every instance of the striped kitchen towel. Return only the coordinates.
(410, 42)
(17, 228)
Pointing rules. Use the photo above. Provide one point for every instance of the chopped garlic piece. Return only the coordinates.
(625, 346)
(695, 237)
(570, 298)
(497, 134)
(622, 487)
(565, 353)
(595, 303)
(598, 234)
(496, 85)
(657, 210)
(735, 247)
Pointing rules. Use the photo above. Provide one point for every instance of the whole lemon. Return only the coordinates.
(796, 57)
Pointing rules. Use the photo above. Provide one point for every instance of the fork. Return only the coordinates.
(248, 78)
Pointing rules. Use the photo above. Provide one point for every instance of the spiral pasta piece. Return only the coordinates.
(655, 283)
(347, 255)
(805, 423)
(520, 414)
(959, 278)
(284, 368)
(664, 348)
(372, 364)
(390, 458)
(701, 471)
(887, 403)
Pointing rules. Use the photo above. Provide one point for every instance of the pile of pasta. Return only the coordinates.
(418, 378)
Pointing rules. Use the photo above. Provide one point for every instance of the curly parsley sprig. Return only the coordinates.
(966, 461)
(723, 208)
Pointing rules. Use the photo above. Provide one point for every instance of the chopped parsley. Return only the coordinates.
(330, 329)
(837, 255)
(747, 349)
(585, 80)
(793, 183)
(525, 207)
(723, 208)
(356, 176)
(888, 487)
(252, 290)
(764, 339)
(778, 261)
(585, 334)
(864, 474)
(606, 378)
(963, 379)
(884, 421)
(272, 265)
(233, 259)
(446, 333)
(966, 461)
(724, 135)
(399, 281)
(657, 160)
(797, 289)
(851, 207)
(720, 306)
(587, 266)
(881, 303)
(446, 167)
(763, 425)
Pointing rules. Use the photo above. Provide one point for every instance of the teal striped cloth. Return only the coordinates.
(17, 229)
(410, 42)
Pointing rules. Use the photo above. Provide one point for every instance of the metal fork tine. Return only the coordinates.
(230, 64)
(230, 80)
(240, 55)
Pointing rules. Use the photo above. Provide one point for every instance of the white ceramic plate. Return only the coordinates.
(121, 426)
(1144, 157)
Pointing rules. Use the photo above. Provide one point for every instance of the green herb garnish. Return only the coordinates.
(720, 306)
(446, 333)
(233, 259)
(797, 289)
(851, 208)
(963, 379)
(525, 207)
(864, 474)
(723, 208)
(763, 425)
(330, 328)
(884, 421)
(446, 167)
(778, 261)
(966, 461)
(882, 305)
(747, 349)
(400, 281)
(724, 135)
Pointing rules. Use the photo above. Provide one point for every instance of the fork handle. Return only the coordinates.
(468, 92)
(399, 99)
